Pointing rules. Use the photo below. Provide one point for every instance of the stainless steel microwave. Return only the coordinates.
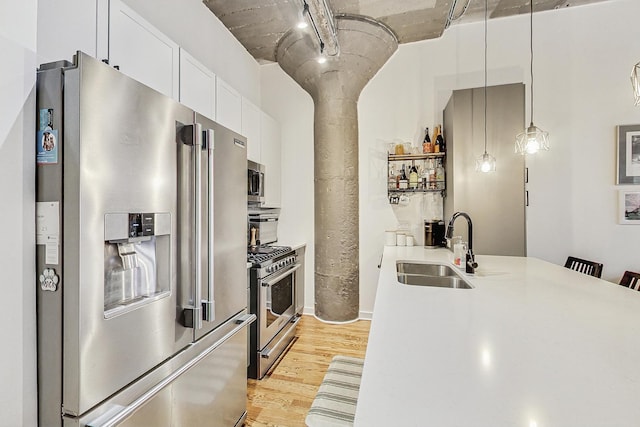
(255, 182)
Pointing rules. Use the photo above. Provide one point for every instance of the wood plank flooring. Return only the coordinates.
(283, 397)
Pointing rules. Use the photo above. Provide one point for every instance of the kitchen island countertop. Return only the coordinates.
(533, 344)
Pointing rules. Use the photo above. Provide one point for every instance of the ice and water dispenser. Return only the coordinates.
(136, 260)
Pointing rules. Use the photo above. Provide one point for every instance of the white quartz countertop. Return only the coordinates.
(533, 344)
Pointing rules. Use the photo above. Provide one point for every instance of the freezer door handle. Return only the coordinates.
(208, 304)
(127, 411)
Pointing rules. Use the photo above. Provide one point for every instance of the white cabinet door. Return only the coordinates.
(251, 129)
(271, 158)
(197, 85)
(141, 51)
(228, 106)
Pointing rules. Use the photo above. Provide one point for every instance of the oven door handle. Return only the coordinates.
(268, 283)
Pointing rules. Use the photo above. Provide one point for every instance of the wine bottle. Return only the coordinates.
(440, 141)
(404, 182)
(436, 135)
(427, 146)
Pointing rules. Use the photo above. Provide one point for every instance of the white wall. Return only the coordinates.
(296, 223)
(64, 27)
(582, 91)
(17, 213)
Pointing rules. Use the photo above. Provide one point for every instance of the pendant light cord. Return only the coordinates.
(531, 46)
(485, 75)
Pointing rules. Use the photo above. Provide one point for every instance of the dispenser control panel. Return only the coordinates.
(141, 224)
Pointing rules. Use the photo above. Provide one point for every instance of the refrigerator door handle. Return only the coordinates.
(193, 314)
(197, 149)
(208, 304)
(128, 410)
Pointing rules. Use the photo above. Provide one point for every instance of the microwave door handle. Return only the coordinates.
(271, 281)
(208, 304)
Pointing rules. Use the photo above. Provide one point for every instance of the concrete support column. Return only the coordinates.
(365, 45)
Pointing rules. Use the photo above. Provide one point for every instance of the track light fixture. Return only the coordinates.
(303, 23)
(321, 19)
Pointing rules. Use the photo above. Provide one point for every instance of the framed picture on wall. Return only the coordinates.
(628, 155)
(629, 207)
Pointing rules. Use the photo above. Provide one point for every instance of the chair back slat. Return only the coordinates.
(590, 268)
(631, 280)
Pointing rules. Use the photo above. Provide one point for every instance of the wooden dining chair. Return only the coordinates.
(583, 266)
(631, 280)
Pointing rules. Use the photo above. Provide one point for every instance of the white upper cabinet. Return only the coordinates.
(197, 86)
(228, 106)
(141, 51)
(271, 158)
(251, 129)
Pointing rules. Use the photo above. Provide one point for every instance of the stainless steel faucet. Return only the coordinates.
(471, 264)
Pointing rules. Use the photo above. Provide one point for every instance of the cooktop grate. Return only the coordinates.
(262, 254)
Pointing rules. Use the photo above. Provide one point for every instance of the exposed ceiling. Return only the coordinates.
(259, 24)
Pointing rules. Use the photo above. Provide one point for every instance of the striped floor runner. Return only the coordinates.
(335, 403)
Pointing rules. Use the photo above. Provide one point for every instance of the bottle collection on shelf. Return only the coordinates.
(418, 173)
(411, 176)
(436, 145)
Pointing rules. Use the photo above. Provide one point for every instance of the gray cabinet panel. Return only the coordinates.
(495, 201)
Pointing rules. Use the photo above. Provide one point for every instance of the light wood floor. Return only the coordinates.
(283, 397)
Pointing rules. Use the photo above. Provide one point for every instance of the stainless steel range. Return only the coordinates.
(272, 300)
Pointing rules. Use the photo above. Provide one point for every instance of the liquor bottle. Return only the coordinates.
(427, 146)
(440, 174)
(440, 140)
(404, 182)
(436, 135)
(413, 178)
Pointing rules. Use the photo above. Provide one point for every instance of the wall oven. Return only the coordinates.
(255, 182)
(272, 299)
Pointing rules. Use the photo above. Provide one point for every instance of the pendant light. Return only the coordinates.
(533, 138)
(635, 81)
(486, 162)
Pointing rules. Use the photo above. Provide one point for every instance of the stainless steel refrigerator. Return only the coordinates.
(141, 222)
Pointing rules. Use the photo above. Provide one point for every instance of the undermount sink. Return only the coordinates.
(425, 269)
(436, 275)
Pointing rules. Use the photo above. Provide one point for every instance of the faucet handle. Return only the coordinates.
(471, 263)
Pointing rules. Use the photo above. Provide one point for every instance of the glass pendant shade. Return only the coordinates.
(532, 140)
(486, 163)
(635, 82)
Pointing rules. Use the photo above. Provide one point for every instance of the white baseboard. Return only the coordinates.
(363, 315)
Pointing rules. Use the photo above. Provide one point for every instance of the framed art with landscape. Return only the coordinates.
(629, 207)
(628, 167)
